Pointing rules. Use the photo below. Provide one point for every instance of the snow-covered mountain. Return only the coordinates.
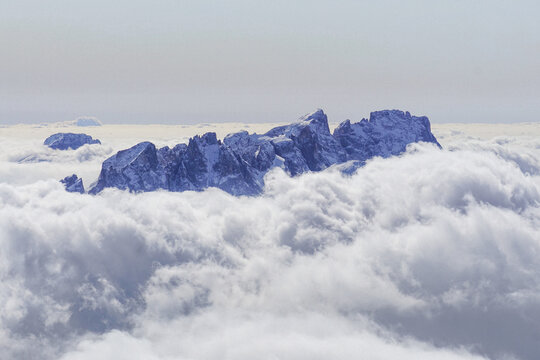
(238, 164)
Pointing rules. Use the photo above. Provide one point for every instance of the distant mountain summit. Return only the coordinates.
(238, 164)
(65, 141)
(86, 121)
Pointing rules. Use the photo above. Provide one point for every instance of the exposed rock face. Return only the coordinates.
(238, 164)
(65, 141)
(386, 133)
(73, 184)
(308, 144)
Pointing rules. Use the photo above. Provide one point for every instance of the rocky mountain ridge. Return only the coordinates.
(238, 164)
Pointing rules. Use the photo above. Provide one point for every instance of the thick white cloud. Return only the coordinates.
(434, 254)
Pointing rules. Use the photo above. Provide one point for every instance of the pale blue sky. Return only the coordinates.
(166, 61)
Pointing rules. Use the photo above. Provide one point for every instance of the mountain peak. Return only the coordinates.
(317, 115)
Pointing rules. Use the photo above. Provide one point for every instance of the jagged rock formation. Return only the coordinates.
(386, 133)
(73, 184)
(238, 164)
(65, 141)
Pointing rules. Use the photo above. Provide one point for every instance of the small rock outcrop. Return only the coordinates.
(73, 184)
(238, 164)
(65, 141)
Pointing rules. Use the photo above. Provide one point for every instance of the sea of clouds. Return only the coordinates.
(434, 254)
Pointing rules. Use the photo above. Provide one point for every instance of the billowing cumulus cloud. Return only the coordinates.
(433, 254)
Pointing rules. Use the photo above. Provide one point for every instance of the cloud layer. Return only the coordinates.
(433, 254)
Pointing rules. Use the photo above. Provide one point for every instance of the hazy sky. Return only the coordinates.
(166, 61)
